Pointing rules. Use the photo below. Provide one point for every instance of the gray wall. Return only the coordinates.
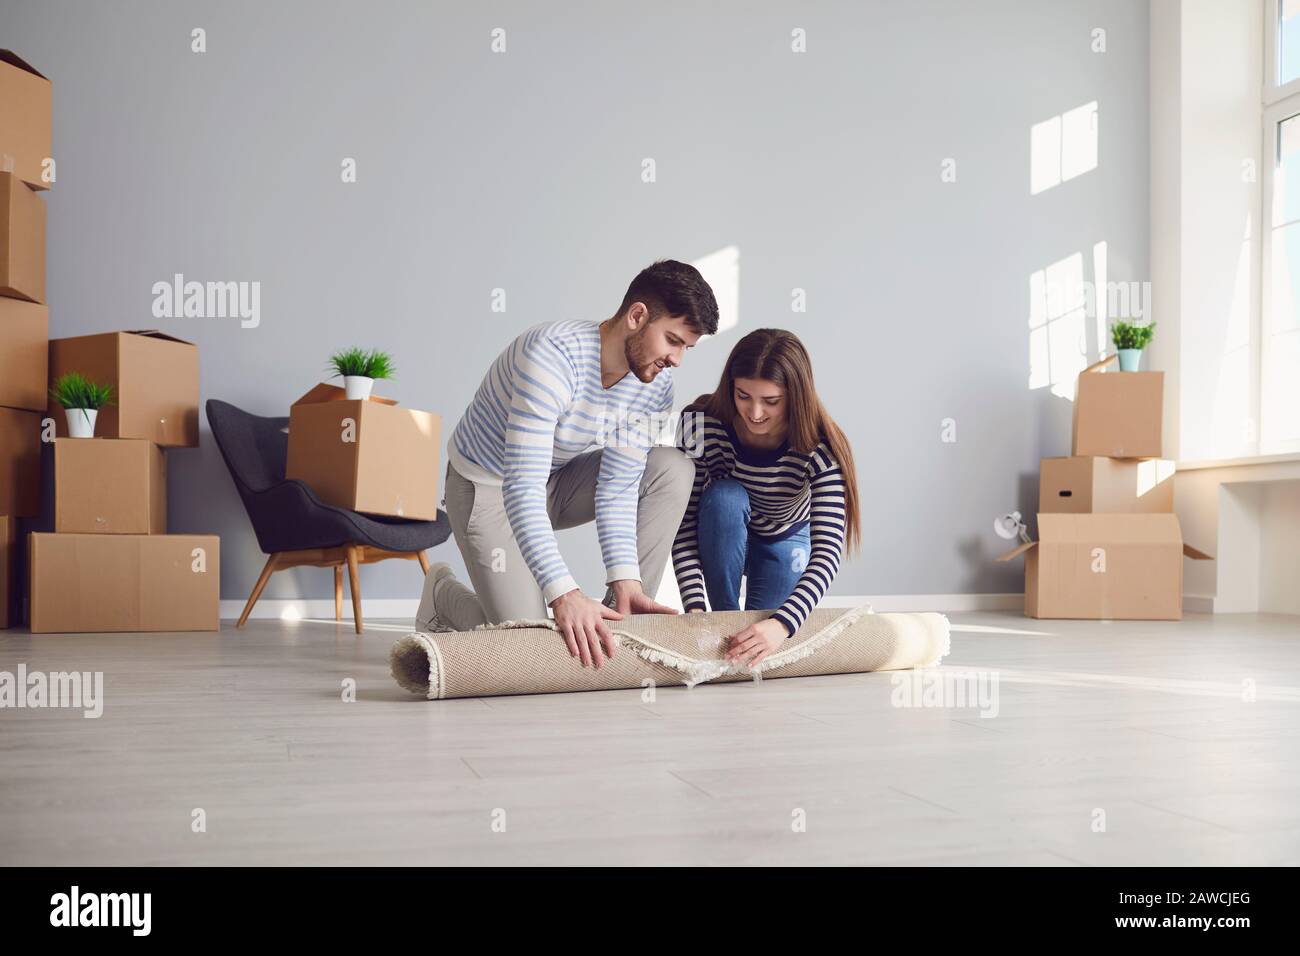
(522, 171)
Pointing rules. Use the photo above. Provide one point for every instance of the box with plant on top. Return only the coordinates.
(359, 369)
(1130, 339)
(81, 400)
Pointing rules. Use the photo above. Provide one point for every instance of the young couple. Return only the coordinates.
(761, 485)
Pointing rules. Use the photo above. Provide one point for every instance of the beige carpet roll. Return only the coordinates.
(530, 657)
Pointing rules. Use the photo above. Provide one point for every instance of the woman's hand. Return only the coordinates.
(756, 641)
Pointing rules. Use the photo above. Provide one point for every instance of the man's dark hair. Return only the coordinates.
(674, 288)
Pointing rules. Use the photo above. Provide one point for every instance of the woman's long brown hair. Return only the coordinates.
(778, 356)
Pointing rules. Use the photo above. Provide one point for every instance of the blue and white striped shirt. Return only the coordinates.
(542, 404)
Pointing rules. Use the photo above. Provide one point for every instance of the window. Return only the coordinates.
(1279, 339)
(1284, 45)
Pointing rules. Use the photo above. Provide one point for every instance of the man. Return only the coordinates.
(521, 465)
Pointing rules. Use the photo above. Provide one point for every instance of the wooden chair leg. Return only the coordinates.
(338, 592)
(267, 571)
(354, 582)
(424, 561)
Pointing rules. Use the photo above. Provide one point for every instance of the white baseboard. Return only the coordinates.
(893, 603)
(267, 609)
(1198, 603)
(398, 608)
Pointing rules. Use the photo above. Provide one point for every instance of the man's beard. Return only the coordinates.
(634, 352)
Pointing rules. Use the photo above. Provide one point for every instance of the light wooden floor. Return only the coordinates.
(1145, 722)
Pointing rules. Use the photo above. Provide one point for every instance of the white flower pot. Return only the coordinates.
(358, 386)
(81, 422)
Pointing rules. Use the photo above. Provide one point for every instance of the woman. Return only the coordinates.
(775, 498)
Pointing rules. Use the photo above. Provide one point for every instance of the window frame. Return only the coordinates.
(1280, 102)
(1273, 91)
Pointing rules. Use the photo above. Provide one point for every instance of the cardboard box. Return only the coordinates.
(20, 463)
(124, 582)
(1118, 414)
(24, 354)
(368, 456)
(25, 120)
(1083, 485)
(22, 240)
(8, 572)
(1105, 567)
(109, 486)
(155, 380)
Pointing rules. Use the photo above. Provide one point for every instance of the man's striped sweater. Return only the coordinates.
(541, 405)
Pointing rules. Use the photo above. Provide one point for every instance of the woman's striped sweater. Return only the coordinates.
(786, 489)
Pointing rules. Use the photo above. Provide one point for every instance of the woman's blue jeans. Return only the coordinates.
(729, 550)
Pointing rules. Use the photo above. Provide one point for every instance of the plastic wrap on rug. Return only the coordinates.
(530, 657)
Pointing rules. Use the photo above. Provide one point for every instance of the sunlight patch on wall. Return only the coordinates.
(721, 270)
(1058, 348)
(1063, 147)
(1100, 299)
(1151, 472)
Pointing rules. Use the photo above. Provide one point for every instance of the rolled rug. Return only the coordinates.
(530, 657)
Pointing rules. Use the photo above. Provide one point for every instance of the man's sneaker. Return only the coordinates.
(426, 618)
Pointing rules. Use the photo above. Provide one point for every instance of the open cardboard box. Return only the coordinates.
(25, 120)
(109, 486)
(369, 456)
(22, 240)
(155, 380)
(1087, 484)
(1118, 414)
(124, 582)
(1105, 567)
(24, 354)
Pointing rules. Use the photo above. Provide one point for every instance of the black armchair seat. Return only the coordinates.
(294, 526)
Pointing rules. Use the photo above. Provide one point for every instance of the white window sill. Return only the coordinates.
(1238, 462)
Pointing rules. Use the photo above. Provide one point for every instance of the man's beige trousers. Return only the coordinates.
(504, 588)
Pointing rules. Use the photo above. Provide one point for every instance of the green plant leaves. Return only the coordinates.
(74, 390)
(354, 361)
(1130, 335)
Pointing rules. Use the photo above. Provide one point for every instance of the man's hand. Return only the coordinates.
(582, 622)
(630, 599)
(756, 641)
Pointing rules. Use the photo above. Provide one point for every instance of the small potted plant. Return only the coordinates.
(81, 400)
(1130, 339)
(360, 368)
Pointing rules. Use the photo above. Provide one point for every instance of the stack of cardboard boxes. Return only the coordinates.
(24, 319)
(1110, 546)
(109, 564)
(101, 559)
